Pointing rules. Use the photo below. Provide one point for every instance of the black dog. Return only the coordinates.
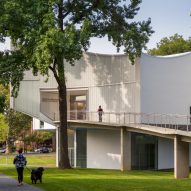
(37, 175)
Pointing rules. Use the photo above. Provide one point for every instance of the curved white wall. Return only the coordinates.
(166, 84)
(110, 80)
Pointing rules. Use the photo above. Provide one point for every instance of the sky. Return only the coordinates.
(167, 18)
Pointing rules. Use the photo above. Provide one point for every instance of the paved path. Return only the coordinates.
(9, 184)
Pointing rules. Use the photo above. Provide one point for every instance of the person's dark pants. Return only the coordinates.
(100, 117)
(20, 174)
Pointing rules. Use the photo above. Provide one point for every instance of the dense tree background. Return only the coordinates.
(3, 129)
(48, 34)
(171, 45)
(15, 126)
(37, 138)
(19, 125)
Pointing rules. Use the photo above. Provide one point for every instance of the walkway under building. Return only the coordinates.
(178, 130)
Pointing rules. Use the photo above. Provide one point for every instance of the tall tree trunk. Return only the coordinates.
(63, 136)
(8, 146)
(59, 74)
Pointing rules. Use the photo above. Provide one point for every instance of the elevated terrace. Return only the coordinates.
(176, 127)
(164, 125)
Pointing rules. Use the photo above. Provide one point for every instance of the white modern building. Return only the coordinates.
(152, 86)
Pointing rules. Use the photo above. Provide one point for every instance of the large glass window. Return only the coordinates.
(144, 149)
(41, 124)
(77, 107)
(81, 139)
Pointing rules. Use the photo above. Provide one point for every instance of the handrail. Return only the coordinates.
(172, 121)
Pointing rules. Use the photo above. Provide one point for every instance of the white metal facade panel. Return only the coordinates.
(166, 84)
(51, 83)
(30, 77)
(113, 98)
(165, 153)
(109, 80)
(47, 126)
(103, 149)
(95, 70)
(28, 100)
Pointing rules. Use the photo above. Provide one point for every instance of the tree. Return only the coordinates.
(3, 128)
(13, 125)
(4, 98)
(172, 45)
(47, 34)
(38, 137)
(19, 125)
(4, 106)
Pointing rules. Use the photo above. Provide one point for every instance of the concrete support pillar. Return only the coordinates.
(75, 149)
(54, 143)
(125, 149)
(181, 158)
(57, 146)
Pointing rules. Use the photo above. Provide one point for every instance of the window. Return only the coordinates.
(41, 124)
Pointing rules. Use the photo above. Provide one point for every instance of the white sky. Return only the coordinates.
(167, 18)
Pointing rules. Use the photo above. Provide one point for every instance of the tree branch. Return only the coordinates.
(95, 4)
(53, 69)
(60, 15)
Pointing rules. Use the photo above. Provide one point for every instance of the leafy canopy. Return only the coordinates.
(48, 34)
(4, 98)
(172, 45)
(38, 137)
(18, 123)
(44, 32)
(3, 128)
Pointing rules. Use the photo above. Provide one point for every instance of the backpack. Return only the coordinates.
(19, 161)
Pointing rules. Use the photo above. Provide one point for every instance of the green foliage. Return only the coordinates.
(172, 45)
(42, 30)
(4, 98)
(38, 137)
(42, 136)
(47, 34)
(2, 103)
(19, 124)
(3, 128)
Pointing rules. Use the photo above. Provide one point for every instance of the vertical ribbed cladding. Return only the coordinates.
(110, 81)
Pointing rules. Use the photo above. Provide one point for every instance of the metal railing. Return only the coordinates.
(170, 121)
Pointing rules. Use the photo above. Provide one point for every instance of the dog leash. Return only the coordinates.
(28, 169)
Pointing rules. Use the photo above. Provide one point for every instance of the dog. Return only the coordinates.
(37, 175)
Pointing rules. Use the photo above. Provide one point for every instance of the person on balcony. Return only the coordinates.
(100, 113)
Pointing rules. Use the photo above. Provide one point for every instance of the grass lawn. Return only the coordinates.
(32, 159)
(104, 180)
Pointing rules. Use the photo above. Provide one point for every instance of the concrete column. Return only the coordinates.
(125, 149)
(54, 143)
(75, 149)
(57, 146)
(181, 158)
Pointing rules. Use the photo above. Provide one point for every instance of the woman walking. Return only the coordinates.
(20, 162)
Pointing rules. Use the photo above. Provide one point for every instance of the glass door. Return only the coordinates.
(144, 151)
(77, 107)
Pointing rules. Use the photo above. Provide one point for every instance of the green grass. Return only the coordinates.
(103, 180)
(32, 160)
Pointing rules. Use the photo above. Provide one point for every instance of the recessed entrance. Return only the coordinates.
(78, 105)
(144, 151)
